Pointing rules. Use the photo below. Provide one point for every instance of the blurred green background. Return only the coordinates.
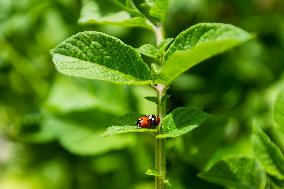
(51, 125)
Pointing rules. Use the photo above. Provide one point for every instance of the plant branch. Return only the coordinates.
(159, 34)
(160, 148)
(160, 156)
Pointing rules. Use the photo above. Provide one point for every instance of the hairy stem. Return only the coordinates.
(160, 151)
(159, 34)
(160, 156)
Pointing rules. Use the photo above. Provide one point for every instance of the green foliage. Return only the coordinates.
(237, 172)
(165, 44)
(268, 154)
(50, 125)
(148, 50)
(78, 137)
(279, 111)
(99, 56)
(154, 52)
(152, 99)
(95, 12)
(95, 55)
(181, 121)
(198, 43)
(158, 9)
(113, 130)
(85, 95)
(151, 172)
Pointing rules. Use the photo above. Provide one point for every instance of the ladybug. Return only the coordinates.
(143, 122)
(154, 119)
(150, 121)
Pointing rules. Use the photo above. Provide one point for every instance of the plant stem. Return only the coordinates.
(160, 156)
(159, 34)
(160, 151)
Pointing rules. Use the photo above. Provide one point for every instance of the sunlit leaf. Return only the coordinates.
(181, 121)
(268, 154)
(148, 50)
(114, 130)
(177, 132)
(96, 55)
(237, 172)
(198, 43)
(152, 172)
(165, 44)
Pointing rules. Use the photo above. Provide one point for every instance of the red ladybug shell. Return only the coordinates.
(150, 121)
(143, 122)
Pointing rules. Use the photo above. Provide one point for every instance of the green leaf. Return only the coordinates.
(155, 68)
(152, 99)
(268, 154)
(155, 99)
(182, 120)
(279, 111)
(165, 44)
(177, 132)
(114, 130)
(158, 9)
(152, 172)
(237, 172)
(167, 182)
(96, 55)
(148, 50)
(198, 43)
(93, 12)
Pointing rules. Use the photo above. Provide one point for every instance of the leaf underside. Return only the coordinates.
(92, 13)
(96, 55)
